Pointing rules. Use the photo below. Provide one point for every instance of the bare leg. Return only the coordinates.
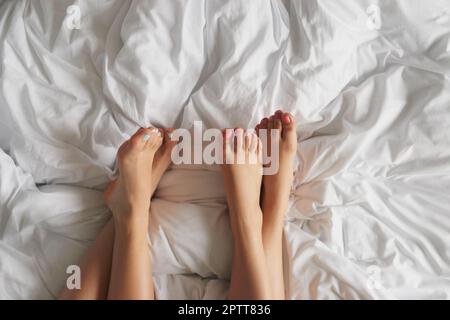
(131, 270)
(96, 264)
(95, 268)
(249, 277)
(275, 195)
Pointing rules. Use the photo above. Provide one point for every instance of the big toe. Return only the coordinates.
(169, 142)
(169, 139)
(142, 139)
(153, 139)
(288, 132)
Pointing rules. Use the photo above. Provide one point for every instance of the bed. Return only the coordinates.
(368, 83)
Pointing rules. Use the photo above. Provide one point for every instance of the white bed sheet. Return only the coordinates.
(369, 215)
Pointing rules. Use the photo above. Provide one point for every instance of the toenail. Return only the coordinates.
(286, 119)
(228, 133)
(146, 137)
(155, 132)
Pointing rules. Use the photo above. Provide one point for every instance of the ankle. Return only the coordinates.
(276, 207)
(130, 222)
(245, 237)
(246, 222)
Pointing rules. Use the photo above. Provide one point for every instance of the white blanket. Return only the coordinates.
(367, 81)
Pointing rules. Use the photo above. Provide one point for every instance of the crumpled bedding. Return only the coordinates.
(370, 91)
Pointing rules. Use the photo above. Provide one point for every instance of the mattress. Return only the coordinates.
(368, 83)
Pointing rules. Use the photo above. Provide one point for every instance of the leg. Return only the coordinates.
(131, 270)
(275, 195)
(96, 264)
(243, 184)
(95, 268)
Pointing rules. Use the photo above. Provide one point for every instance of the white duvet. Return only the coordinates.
(367, 81)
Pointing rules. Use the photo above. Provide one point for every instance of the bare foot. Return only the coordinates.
(275, 194)
(162, 158)
(276, 187)
(243, 176)
(161, 162)
(131, 192)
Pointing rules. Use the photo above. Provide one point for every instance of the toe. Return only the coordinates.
(263, 127)
(278, 121)
(252, 148)
(239, 139)
(152, 138)
(254, 143)
(271, 122)
(264, 123)
(227, 136)
(288, 133)
(168, 140)
(239, 146)
(169, 137)
(248, 140)
(137, 141)
(278, 114)
(287, 122)
(161, 133)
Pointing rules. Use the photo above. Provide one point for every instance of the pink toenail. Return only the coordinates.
(228, 133)
(286, 119)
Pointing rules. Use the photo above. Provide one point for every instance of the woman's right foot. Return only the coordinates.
(130, 194)
(161, 163)
(163, 158)
(276, 187)
(275, 194)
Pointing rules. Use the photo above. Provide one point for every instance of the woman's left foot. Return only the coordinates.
(242, 172)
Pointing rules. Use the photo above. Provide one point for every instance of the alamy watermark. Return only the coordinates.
(73, 17)
(73, 281)
(198, 146)
(373, 21)
(374, 281)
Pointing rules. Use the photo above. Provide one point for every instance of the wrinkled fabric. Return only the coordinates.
(369, 209)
